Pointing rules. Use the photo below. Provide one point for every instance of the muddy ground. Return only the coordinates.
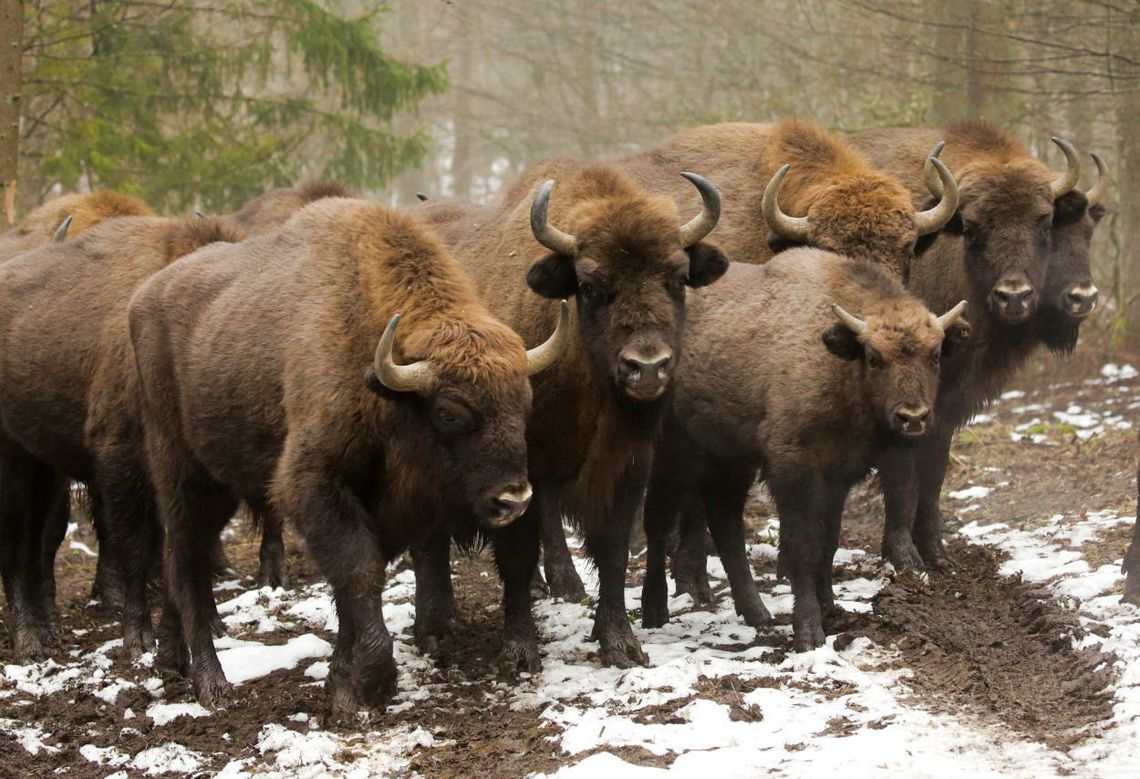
(977, 643)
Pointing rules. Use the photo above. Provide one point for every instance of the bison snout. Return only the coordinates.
(645, 376)
(505, 506)
(911, 419)
(1080, 299)
(1013, 299)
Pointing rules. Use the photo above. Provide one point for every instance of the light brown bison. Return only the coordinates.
(801, 370)
(996, 253)
(275, 370)
(627, 258)
(73, 213)
(792, 183)
(62, 371)
(269, 211)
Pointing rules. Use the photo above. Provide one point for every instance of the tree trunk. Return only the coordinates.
(11, 49)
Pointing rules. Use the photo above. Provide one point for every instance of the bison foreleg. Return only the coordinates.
(724, 510)
(661, 502)
(516, 556)
(690, 557)
(933, 459)
(271, 569)
(55, 530)
(802, 537)
(435, 598)
(899, 482)
(561, 576)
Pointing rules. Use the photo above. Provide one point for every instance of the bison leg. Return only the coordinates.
(933, 459)
(660, 516)
(607, 539)
(831, 514)
(338, 532)
(55, 530)
(690, 557)
(220, 564)
(802, 537)
(1131, 564)
(516, 556)
(435, 598)
(21, 540)
(724, 508)
(561, 576)
(108, 588)
(899, 481)
(271, 570)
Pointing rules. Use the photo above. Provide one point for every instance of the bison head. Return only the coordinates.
(468, 395)
(1070, 295)
(627, 265)
(900, 345)
(866, 217)
(1005, 222)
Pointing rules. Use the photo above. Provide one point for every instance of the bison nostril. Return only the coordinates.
(911, 417)
(1082, 299)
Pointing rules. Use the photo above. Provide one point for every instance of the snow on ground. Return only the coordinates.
(736, 709)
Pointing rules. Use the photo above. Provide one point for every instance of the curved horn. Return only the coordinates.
(1067, 180)
(930, 173)
(794, 228)
(60, 234)
(1098, 190)
(421, 197)
(935, 218)
(547, 234)
(199, 214)
(951, 316)
(547, 353)
(399, 378)
(856, 324)
(703, 223)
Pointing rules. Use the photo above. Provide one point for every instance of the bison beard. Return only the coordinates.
(628, 261)
(759, 393)
(1019, 224)
(272, 338)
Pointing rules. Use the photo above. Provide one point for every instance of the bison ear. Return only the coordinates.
(1069, 208)
(777, 244)
(840, 340)
(924, 242)
(707, 263)
(553, 277)
(954, 335)
(373, 383)
(1097, 212)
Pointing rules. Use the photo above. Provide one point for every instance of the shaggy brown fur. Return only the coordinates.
(64, 373)
(86, 210)
(590, 438)
(253, 360)
(854, 209)
(1006, 228)
(774, 384)
(266, 212)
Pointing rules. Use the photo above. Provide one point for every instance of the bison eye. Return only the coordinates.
(451, 417)
(446, 418)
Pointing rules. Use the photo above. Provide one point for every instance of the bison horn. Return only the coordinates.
(199, 214)
(1067, 180)
(421, 197)
(60, 234)
(951, 316)
(792, 228)
(1098, 190)
(703, 223)
(545, 354)
(856, 324)
(416, 377)
(935, 218)
(547, 234)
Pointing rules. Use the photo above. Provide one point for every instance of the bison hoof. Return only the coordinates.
(217, 627)
(377, 684)
(654, 614)
(272, 573)
(136, 643)
(107, 590)
(538, 588)
(619, 647)
(212, 690)
(755, 613)
(902, 553)
(31, 644)
(565, 584)
(808, 637)
(519, 655)
(173, 656)
(935, 556)
(695, 585)
(1131, 589)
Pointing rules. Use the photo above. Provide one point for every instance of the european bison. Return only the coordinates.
(802, 370)
(765, 172)
(274, 371)
(996, 253)
(627, 260)
(62, 339)
(270, 210)
(1130, 567)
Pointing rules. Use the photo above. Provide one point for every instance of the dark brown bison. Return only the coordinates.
(274, 370)
(997, 253)
(62, 341)
(627, 259)
(801, 370)
(792, 183)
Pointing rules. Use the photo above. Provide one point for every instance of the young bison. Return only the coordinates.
(803, 370)
(274, 371)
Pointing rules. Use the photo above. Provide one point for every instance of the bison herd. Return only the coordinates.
(605, 342)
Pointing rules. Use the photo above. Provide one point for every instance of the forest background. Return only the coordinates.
(203, 103)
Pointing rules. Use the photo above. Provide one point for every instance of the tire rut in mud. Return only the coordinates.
(996, 647)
